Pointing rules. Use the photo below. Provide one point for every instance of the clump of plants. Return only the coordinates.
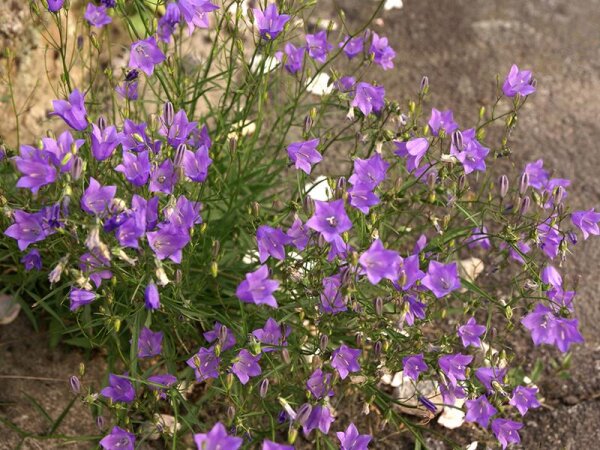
(258, 237)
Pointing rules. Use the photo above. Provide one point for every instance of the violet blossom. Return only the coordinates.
(55, 5)
(318, 47)
(271, 242)
(196, 164)
(454, 366)
(587, 222)
(329, 219)
(195, 13)
(272, 335)
(353, 46)
(80, 297)
(163, 178)
(73, 111)
(119, 389)
(104, 142)
(442, 121)
(145, 54)
(351, 439)
(506, 431)
(32, 260)
(36, 168)
(382, 53)
(168, 242)
(414, 365)
(332, 300)
(344, 359)
(470, 333)
(489, 376)
(135, 167)
(205, 364)
(27, 228)
(217, 332)
(97, 198)
(441, 279)
(518, 82)
(257, 288)
(369, 98)
(217, 439)
(118, 439)
(270, 23)
(149, 343)
(304, 154)
(294, 57)
(319, 384)
(246, 366)
(480, 411)
(319, 418)
(97, 15)
(378, 263)
(524, 399)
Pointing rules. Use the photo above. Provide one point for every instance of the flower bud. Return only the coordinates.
(524, 205)
(572, 237)
(264, 388)
(402, 119)
(524, 183)
(359, 339)
(377, 348)
(378, 304)
(308, 205)
(292, 435)
(431, 179)
(285, 355)
(323, 342)
(424, 84)
(214, 269)
(77, 168)
(457, 140)
(231, 413)
(255, 208)
(100, 422)
(168, 114)
(178, 160)
(308, 123)
(75, 384)
(216, 248)
(503, 186)
(303, 413)
(101, 123)
(559, 194)
(462, 181)
(232, 145)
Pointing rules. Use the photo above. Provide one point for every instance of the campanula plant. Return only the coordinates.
(260, 236)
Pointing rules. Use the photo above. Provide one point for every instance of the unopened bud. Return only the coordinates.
(308, 205)
(216, 248)
(503, 186)
(377, 348)
(572, 237)
(524, 205)
(524, 183)
(75, 384)
(255, 208)
(179, 153)
(264, 388)
(303, 413)
(100, 422)
(457, 140)
(424, 84)
(359, 339)
(77, 168)
(214, 269)
(378, 306)
(462, 181)
(168, 114)
(232, 145)
(231, 413)
(285, 355)
(323, 342)
(101, 123)
(308, 123)
(559, 194)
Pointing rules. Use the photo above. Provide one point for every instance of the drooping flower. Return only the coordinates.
(97, 15)
(196, 164)
(104, 141)
(319, 384)
(118, 439)
(205, 364)
(163, 178)
(217, 333)
(217, 439)
(318, 47)
(32, 260)
(382, 53)
(271, 242)
(442, 120)
(454, 366)
(319, 418)
(119, 389)
(379, 263)
(270, 445)
(488, 376)
(351, 439)
(55, 5)
(168, 242)
(95, 265)
(149, 343)
(506, 431)
(80, 297)
(195, 13)
(73, 111)
(524, 399)
(344, 359)
(330, 219)
(246, 366)
(369, 98)
(332, 300)
(294, 57)
(145, 54)
(304, 154)
(587, 222)
(272, 335)
(441, 279)
(270, 23)
(96, 198)
(257, 288)
(518, 82)
(409, 273)
(414, 365)
(135, 167)
(353, 46)
(470, 333)
(550, 275)
(128, 90)
(168, 22)
(480, 410)
(451, 393)
(414, 309)
(36, 168)
(549, 239)
(413, 150)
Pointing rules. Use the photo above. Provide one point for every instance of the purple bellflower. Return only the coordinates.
(55, 5)
(270, 23)
(185, 214)
(352, 46)
(362, 197)
(369, 98)
(270, 445)
(119, 389)
(246, 366)
(96, 15)
(587, 222)
(319, 384)
(546, 328)
(550, 275)
(537, 176)
(104, 141)
(488, 376)
(506, 431)
(80, 297)
(413, 150)
(62, 150)
(196, 164)
(195, 13)
(480, 410)
(168, 22)
(518, 82)
(319, 418)
(479, 237)
(145, 54)
(351, 439)
(524, 399)
(118, 439)
(442, 120)
(73, 111)
(370, 172)
(163, 178)
(32, 260)
(149, 343)
(205, 364)
(304, 154)
(409, 273)
(298, 234)
(95, 266)
(332, 300)
(470, 333)
(160, 383)
(318, 47)
(168, 242)
(135, 167)
(472, 154)
(330, 219)
(96, 198)
(344, 359)
(454, 366)
(441, 279)
(294, 58)
(178, 131)
(271, 242)
(27, 228)
(36, 168)
(414, 365)
(379, 263)
(382, 53)
(271, 335)
(216, 334)
(217, 439)
(257, 288)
